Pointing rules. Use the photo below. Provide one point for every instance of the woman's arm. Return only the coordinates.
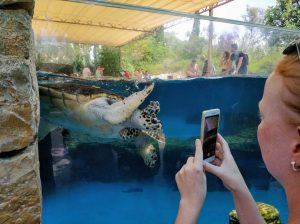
(191, 183)
(246, 207)
(226, 169)
(187, 213)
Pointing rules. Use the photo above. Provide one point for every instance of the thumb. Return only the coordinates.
(211, 168)
(198, 154)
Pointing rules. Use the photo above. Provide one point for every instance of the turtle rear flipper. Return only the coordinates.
(146, 149)
(127, 133)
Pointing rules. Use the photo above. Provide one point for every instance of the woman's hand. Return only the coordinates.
(191, 182)
(225, 167)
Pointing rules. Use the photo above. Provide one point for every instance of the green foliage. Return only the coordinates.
(162, 52)
(196, 29)
(77, 55)
(143, 54)
(284, 14)
(110, 60)
(78, 63)
(156, 56)
(253, 35)
(263, 62)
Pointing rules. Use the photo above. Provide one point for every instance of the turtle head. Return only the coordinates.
(149, 155)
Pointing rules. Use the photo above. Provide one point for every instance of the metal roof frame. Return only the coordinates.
(118, 22)
(179, 14)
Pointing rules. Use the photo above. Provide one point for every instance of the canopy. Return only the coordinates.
(107, 22)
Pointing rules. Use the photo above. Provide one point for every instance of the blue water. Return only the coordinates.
(109, 182)
(85, 202)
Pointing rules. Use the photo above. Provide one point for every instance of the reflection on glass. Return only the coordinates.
(210, 136)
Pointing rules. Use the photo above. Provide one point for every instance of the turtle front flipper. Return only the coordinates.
(147, 118)
(118, 111)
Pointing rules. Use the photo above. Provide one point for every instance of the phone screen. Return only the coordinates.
(210, 136)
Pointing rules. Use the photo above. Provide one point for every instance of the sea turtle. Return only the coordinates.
(103, 114)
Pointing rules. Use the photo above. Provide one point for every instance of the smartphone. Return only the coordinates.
(209, 131)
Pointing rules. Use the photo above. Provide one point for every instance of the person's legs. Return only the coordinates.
(243, 71)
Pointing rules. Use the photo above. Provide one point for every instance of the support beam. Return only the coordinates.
(210, 38)
(220, 3)
(91, 24)
(180, 14)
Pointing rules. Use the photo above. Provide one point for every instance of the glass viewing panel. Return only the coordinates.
(113, 169)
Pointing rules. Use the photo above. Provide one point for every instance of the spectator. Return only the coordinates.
(138, 75)
(125, 75)
(225, 62)
(193, 70)
(238, 61)
(147, 76)
(205, 71)
(86, 73)
(99, 72)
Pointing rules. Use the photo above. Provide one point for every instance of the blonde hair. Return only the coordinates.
(289, 69)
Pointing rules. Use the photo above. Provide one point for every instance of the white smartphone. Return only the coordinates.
(209, 131)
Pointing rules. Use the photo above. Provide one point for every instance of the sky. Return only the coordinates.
(232, 10)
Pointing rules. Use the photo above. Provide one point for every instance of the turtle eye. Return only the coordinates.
(109, 101)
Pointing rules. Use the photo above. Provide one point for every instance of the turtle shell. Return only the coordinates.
(268, 212)
(76, 92)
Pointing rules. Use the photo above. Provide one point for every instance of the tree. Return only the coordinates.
(196, 29)
(194, 46)
(286, 13)
(226, 39)
(78, 59)
(144, 54)
(110, 60)
(252, 37)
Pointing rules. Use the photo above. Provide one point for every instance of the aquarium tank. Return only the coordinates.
(117, 122)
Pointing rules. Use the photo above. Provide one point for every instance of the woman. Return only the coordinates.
(279, 139)
(225, 62)
(193, 70)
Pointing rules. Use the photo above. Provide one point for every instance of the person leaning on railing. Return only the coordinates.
(279, 139)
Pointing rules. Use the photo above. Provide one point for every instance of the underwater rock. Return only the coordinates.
(20, 188)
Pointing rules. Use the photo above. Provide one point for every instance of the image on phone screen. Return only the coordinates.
(210, 136)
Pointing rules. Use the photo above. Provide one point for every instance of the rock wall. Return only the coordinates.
(20, 189)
